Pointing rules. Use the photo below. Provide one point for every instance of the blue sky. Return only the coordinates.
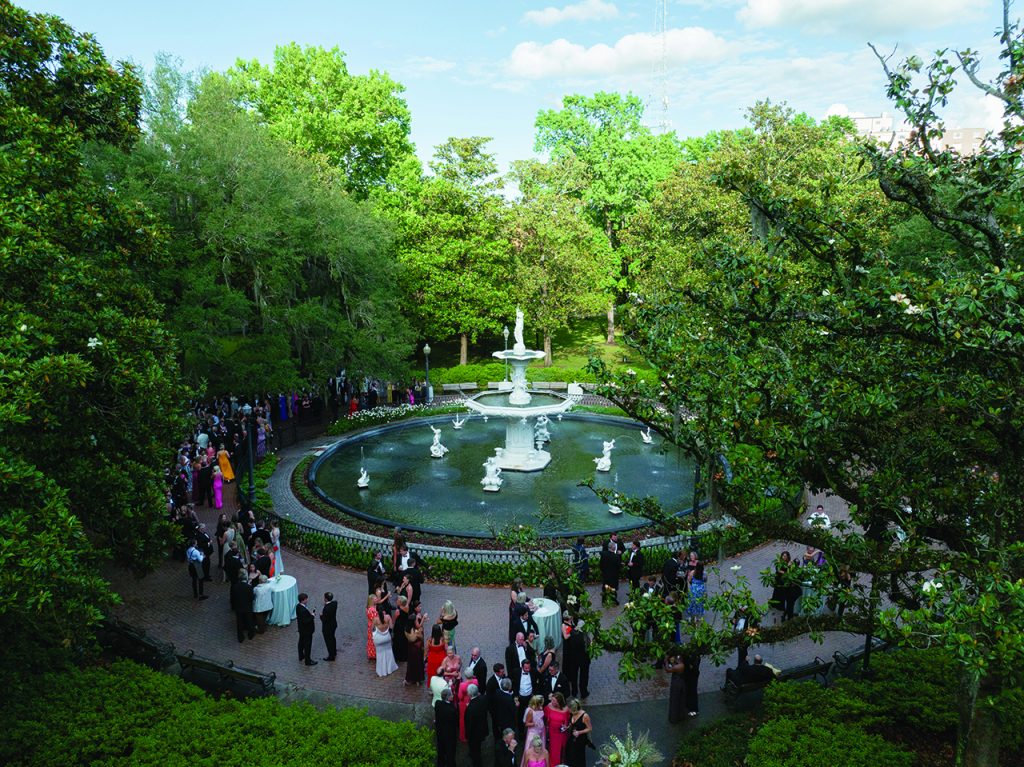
(486, 68)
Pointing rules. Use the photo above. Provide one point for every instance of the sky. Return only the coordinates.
(483, 68)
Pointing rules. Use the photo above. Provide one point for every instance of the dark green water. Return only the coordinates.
(410, 488)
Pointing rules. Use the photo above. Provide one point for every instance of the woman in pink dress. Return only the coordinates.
(533, 719)
(535, 755)
(218, 488)
(468, 678)
(371, 618)
(557, 717)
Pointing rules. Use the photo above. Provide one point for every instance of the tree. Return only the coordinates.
(562, 259)
(622, 161)
(359, 123)
(85, 360)
(458, 268)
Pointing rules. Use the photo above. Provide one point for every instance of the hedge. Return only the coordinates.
(128, 714)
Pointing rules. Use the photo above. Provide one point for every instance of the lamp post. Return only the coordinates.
(426, 358)
(247, 412)
(504, 332)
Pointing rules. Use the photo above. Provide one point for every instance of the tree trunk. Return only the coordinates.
(978, 730)
(463, 349)
(611, 322)
(874, 599)
(547, 350)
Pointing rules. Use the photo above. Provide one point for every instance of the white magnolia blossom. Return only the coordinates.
(93, 342)
(23, 327)
(899, 298)
(931, 587)
(912, 309)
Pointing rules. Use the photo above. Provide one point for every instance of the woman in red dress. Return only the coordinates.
(468, 679)
(371, 616)
(557, 717)
(437, 651)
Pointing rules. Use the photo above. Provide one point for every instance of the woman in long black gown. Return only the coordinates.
(401, 618)
(579, 735)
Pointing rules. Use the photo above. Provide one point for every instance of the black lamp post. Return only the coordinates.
(247, 412)
(426, 359)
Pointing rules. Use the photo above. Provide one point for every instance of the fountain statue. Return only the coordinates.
(524, 448)
(540, 429)
(613, 509)
(364, 478)
(492, 480)
(457, 423)
(437, 450)
(646, 436)
(604, 463)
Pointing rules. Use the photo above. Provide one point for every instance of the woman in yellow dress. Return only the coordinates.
(225, 464)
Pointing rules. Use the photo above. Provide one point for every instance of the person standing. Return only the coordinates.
(195, 558)
(375, 572)
(579, 731)
(242, 605)
(329, 625)
(205, 544)
(478, 666)
(675, 666)
(382, 641)
(635, 565)
(476, 724)
(581, 561)
(307, 626)
(691, 676)
(263, 602)
(670, 572)
(557, 716)
(446, 729)
(505, 749)
(610, 564)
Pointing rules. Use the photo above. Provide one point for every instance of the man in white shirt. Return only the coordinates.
(195, 558)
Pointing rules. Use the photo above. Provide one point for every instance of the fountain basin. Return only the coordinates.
(499, 403)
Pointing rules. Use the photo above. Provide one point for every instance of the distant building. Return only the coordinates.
(886, 128)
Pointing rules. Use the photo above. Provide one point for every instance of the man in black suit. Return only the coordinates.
(307, 626)
(329, 625)
(577, 663)
(476, 724)
(553, 680)
(635, 564)
(446, 729)
(517, 652)
(478, 667)
(522, 622)
(750, 673)
(670, 572)
(233, 564)
(504, 713)
(525, 684)
(375, 572)
(505, 749)
(241, 604)
(493, 690)
(205, 543)
(205, 480)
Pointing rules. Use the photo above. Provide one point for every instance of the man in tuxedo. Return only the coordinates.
(375, 572)
(635, 564)
(581, 561)
(750, 673)
(446, 729)
(670, 572)
(476, 724)
(522, 622)
(505, 750)
(478, 667)
(504, 714)
(577, 663)
(493, 690)
(195, 559)
(233, 564)
(525, 684)
(553, 680)
(205, 543)
(205, 480)
(614, 544)
(241, 604)
(610, 565)
(307, 626)
(329, 625)
(517, 652)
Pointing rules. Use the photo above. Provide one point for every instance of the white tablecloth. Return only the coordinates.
(285, 592)
(548, 616)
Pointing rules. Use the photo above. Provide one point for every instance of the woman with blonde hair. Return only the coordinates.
(533, 718)
(449, 619)
(535, 755)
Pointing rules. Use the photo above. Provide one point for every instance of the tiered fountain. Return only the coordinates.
(524, 449)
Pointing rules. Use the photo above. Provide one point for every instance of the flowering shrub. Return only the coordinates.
(377, 416)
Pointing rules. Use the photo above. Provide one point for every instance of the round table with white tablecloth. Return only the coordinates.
(548, 617)
(285, 592)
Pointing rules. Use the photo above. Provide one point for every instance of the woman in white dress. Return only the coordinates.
(382, 643)
(262, 603)
(275, 544)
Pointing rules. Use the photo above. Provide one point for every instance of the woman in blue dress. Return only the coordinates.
(695, 580)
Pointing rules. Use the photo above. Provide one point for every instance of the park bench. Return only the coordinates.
(228, 672)
(559, 386)
(129, 642)
(451, 388)
(540, 386)
(813, 670)
(845, 664)
(467, 386)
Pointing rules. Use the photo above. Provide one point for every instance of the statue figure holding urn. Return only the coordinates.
(437, 450)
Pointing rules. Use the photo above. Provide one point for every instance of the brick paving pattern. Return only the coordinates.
(162, 604)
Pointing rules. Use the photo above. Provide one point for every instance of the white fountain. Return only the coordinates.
(364, 479)
(604, 463)
(458, 423)
(437, 450)
(646, 436)
(492, 480)
(521, 451)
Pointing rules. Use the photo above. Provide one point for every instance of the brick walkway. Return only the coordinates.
(162, 604)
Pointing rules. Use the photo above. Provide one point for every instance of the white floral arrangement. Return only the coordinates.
(630, 752)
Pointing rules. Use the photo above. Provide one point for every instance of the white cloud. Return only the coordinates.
(857, 16)
(631, 53)
(428, 64)
(841, 110)
(585, 10)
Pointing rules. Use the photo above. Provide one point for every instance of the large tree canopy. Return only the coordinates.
(88, 373)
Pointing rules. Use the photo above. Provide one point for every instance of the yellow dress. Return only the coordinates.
(225, 466)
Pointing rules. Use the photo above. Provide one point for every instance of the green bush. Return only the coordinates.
(127, 714)
(485, 373)
(723, 744)
(813, 741)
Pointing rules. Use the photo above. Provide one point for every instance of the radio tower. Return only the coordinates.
(661, 11)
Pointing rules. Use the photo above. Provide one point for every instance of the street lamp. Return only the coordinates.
(426, 358)
(247, 412)
(504, 332)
